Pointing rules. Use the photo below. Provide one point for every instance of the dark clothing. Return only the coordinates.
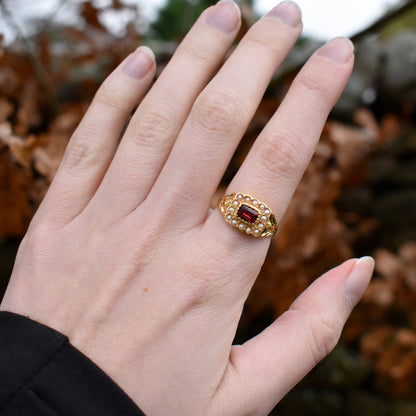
(42, 374)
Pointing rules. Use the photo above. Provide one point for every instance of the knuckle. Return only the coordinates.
(196, 288)
(314, 84)
(324, 335)
(280, 155)
(35, 241)
(218, 114)
(216, 286)
(80, 154)
(200, 289)
(111, 97)
(197, 50)
(202, 286)
(265, 39)
(154, 129)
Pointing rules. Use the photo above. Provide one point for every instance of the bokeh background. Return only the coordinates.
(357, 197)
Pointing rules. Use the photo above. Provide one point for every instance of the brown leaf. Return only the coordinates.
(90, 14)
(6, 109)
(15, 209)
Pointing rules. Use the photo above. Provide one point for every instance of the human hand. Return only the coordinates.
(124, 255)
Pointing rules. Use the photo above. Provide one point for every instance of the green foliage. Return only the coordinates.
(405, 22)
(177, 17)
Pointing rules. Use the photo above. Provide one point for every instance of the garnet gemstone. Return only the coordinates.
(247, 214)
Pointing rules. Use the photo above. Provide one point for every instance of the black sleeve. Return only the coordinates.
(42, 374)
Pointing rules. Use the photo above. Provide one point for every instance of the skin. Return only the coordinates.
(125, 257)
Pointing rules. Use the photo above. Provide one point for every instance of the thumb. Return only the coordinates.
(265, 368)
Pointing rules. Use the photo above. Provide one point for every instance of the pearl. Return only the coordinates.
(235, 203)
(267, 211)
(248, 230)
(241, 226)
(255, 202)
(256, 232)
(234, 222)
(262, 206)
(230, 209)
(248, 199)
(239, 196)
(229, 217)
(263, 218)
(261, 226)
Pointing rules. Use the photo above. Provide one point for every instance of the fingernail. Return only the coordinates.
(139, 63)
(358, 279)
(338, 50)
(288, 12)
(225, 16)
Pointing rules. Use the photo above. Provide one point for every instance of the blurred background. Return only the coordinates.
(357, 197)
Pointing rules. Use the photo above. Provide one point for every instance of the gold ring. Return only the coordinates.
(248, 215)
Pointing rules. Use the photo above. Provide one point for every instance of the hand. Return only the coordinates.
(124, 255)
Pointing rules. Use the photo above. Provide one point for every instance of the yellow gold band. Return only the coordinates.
(248, 215)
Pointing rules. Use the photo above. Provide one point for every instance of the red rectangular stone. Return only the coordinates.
(247, 214)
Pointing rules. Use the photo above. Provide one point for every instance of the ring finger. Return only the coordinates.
(281, 153)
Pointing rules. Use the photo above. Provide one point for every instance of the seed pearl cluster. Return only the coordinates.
(258, 226)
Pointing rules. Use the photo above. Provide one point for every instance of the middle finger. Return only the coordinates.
(222, 113)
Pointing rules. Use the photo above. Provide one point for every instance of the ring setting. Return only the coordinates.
(248, 215)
